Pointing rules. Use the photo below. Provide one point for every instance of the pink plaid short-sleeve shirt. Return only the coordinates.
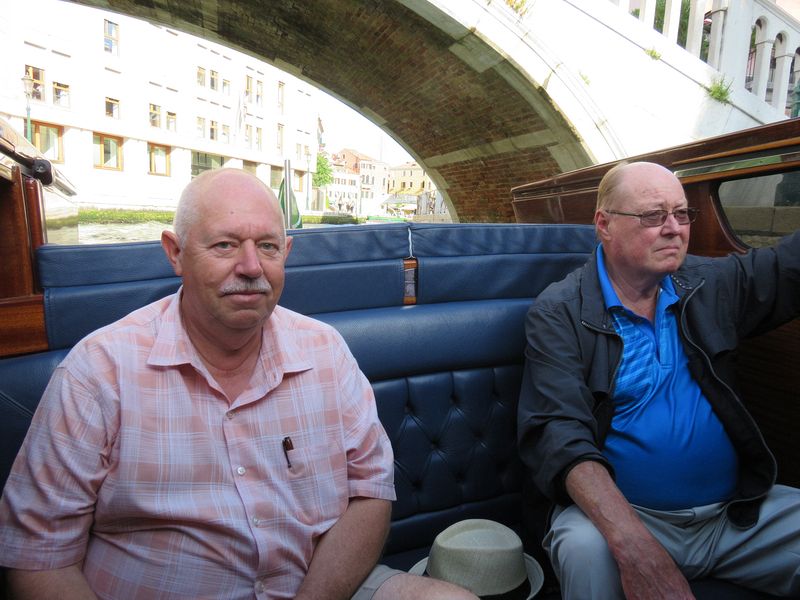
(136, 463)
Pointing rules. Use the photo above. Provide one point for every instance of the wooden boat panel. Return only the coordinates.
(23, 329)
(16, 268)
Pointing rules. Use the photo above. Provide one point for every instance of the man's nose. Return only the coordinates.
(248, 264)
(671, 225)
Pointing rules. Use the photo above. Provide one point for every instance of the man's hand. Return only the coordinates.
(646, 569)
(348, 551)
(66, 583)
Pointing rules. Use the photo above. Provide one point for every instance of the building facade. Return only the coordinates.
(371, 179)
(343, 192)
(131, 111)
(412, 193)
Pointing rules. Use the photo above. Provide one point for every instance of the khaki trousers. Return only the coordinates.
(374, 580)
(701, 541)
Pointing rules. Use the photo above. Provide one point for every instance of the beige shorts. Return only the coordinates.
(373, 581)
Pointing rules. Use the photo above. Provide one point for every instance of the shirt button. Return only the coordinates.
(256, 521)
(259, 587)
(241, 470)
(230, 414)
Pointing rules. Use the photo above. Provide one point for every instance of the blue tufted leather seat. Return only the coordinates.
(446, 371)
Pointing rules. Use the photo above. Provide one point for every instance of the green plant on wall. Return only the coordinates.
(653, 53)
(519, 6)
(719, 90)
(683, 25)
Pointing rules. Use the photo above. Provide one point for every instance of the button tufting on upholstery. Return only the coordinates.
(428, 381)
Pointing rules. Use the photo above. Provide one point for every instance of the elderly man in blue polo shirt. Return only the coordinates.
(629, 419)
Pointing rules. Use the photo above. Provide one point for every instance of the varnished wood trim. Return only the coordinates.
(16, 267)
(738, 151)
(23, 328)
(34, 206)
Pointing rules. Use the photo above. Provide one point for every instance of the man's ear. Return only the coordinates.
(288, 247)
(601, 222)
(172, 248)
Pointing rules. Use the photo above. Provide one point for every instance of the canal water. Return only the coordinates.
(110, 233)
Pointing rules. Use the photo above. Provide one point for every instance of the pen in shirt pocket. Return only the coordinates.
(287, 445)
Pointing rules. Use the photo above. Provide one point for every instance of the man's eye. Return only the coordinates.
(223, 245)
(268, 247)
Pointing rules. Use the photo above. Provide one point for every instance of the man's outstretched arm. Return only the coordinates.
(348, 551)
(65, 584)
(646, 569)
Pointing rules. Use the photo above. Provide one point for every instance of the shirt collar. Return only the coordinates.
(279, 353)
(610, 297)
(172, 346)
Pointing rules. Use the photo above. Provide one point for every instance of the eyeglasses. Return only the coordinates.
(656, 218)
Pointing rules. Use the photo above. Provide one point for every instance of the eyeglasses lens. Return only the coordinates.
(656, 218)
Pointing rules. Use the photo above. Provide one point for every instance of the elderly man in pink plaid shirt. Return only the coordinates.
(211, 444)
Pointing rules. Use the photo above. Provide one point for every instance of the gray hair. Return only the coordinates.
(609, 184)
(185, 216)
(188, 213)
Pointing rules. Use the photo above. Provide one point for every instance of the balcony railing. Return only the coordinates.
(752, 44)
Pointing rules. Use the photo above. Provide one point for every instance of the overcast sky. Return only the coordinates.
(345, 128)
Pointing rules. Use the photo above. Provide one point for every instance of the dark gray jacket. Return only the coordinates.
(573, 353)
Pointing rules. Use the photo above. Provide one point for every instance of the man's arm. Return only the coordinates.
(348, 551)
(65, 584)
(646, 569)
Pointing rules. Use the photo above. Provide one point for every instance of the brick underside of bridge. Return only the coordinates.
(464, 124)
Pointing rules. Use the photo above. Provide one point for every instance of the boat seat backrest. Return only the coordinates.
(446, 371)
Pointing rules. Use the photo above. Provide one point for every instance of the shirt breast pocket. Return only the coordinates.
(318, 482)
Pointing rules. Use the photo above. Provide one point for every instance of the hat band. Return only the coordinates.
(521, 592)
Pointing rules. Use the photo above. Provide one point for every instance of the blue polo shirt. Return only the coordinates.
(668, 448)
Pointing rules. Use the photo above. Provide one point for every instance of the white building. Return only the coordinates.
(411, 192)
(343, 192)
(373, 178)
(374, 181)
(130, 111)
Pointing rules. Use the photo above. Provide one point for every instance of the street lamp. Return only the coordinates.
(27, 82)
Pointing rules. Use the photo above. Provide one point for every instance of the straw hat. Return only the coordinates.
(485, 557)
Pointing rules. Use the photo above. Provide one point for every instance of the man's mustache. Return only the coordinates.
(243, 286)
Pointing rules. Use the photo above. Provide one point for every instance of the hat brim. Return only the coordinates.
(534, 570)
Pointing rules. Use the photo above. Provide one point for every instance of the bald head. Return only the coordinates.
(628, 179)
(212, 185)
(229, 247)
(639, 253)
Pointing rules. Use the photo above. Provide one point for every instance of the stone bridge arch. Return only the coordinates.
(429, 77)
